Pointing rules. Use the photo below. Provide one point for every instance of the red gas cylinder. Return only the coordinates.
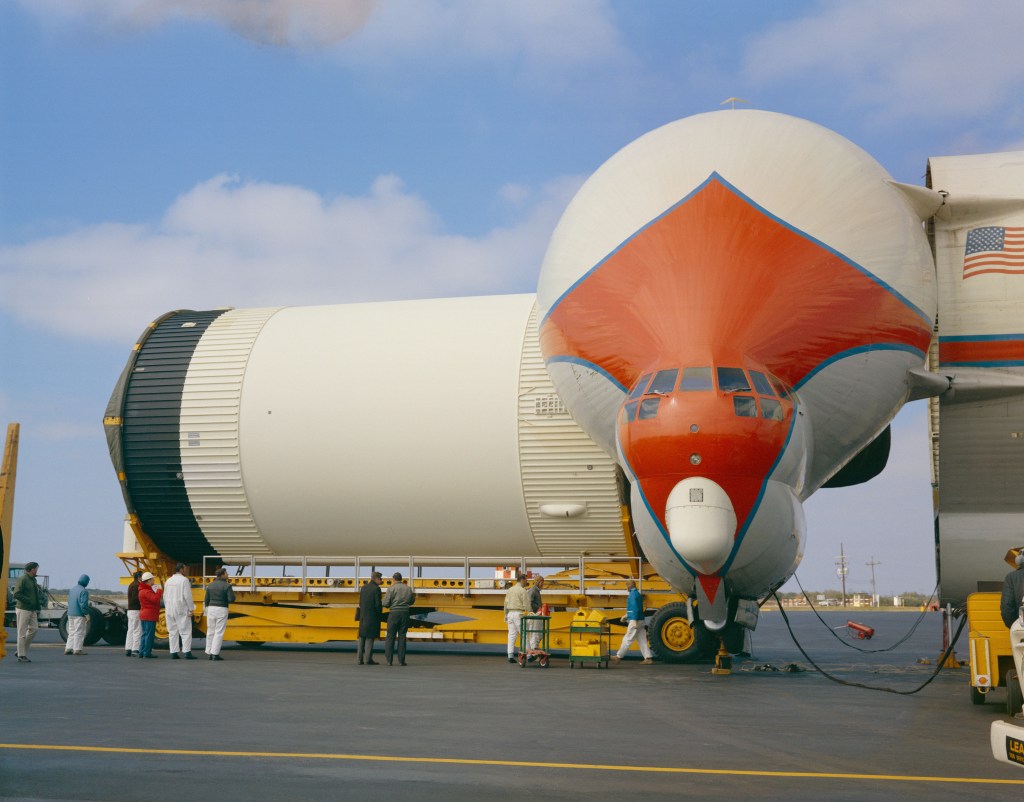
(544, 610)
(860, 630)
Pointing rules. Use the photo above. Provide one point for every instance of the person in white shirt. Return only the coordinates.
(178, 609)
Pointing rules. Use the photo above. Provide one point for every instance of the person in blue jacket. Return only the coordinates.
(635, 629)
(78, 613)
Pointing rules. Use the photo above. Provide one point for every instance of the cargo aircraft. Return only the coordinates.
(730, 313)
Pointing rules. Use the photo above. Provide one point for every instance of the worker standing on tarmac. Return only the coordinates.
(635, 628)
(219, 595)
(178, 608)
(78, 616)
(369, 615)
(398, 600)
(1011, 609)
(517, 604)
(134, 636)
(536, 627)
(149, 613)
(26, 609)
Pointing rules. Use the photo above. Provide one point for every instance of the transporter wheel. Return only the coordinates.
(1014, 698)
(162, 637)
(977, 697)
(116, 630)
(250, 644)
(674, 639)
(95, 626)
(62, 627)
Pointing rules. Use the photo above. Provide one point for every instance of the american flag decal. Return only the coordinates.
(994, 249)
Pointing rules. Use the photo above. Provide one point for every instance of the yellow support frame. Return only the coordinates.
(303, 609)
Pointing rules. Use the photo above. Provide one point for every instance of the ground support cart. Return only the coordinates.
(990, 652)
(589, 639)
(535, 625)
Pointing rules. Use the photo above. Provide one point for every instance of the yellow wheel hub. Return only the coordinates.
(677, 634)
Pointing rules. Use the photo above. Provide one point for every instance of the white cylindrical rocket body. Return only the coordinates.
(406, 428)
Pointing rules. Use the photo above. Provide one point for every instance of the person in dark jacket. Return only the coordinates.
(398, 600)
(26, 609)
(131, 643)
(219, 594)
(78, 616)
(370, 614)
(149, 613)
(1010, 611)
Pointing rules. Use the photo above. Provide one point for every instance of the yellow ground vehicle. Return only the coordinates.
(991, 660)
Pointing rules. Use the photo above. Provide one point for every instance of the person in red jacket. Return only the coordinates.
(149, 612)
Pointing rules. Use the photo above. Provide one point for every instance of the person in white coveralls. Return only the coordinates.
(178, 609)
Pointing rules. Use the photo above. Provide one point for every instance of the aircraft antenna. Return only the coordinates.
(732, 101)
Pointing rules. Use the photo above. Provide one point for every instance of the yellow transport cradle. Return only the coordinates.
(314, 599)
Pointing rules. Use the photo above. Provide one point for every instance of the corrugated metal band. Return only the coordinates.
(210, 455)
(152, 457)
(560, 464)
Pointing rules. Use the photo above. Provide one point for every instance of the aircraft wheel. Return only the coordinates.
(1014, 698)
(673, 638)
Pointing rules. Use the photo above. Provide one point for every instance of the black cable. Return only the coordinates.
(900, 642)
(938, 668)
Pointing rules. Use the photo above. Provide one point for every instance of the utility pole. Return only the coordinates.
(871, 564)
(842, 570)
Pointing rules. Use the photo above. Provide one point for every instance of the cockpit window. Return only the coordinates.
(696, 379)
(771, 409)
(744, 406)
(664, 381)
(731, 380)
(649, 408)
(761, 383)
(629, 411)
(641, 385)
(780, 388)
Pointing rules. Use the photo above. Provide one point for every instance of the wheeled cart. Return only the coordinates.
(531, 625)
(589, 639)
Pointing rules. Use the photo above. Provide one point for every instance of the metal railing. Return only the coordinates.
(584, 574)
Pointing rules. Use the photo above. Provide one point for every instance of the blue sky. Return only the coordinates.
(163, 154)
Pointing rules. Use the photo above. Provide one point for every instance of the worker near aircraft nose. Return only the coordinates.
(1011, 609)
(26, 609)
(178, 608)
(398, 600)
(635, 629)
(369, 616)
(149, 612)
(517, 604)
(78, 614)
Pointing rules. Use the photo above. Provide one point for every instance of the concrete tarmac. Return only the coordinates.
(306, 722)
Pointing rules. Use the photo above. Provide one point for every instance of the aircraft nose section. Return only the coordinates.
(701, 523)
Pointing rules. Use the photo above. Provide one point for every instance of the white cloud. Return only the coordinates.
(534, 36)
(914, 58)
(314, 23)
(232, 243)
